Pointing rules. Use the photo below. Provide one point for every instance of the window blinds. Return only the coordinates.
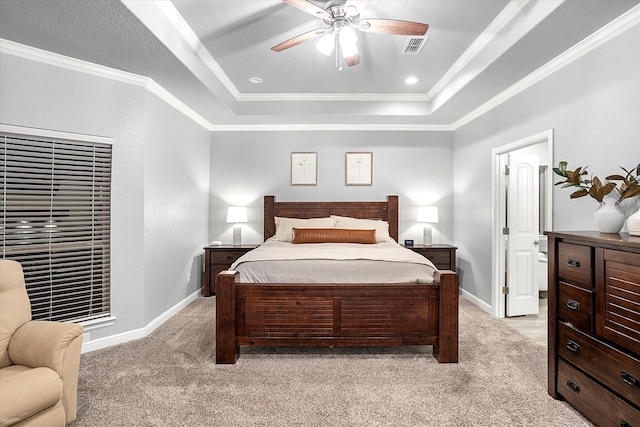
(56, 204)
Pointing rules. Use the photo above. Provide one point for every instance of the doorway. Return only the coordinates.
(522, 183)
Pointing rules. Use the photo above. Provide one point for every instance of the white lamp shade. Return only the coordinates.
(326, 43)
(428, 214)
(237, 214)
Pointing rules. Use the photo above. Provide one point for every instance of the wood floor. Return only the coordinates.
(533, 326)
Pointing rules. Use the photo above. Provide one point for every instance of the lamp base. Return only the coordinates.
(427, 238)
(237, 235)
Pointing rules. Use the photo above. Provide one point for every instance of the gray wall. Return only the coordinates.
(152, 143)
(593, 107)
(245, 166)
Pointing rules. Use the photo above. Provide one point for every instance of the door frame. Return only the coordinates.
(499, 203)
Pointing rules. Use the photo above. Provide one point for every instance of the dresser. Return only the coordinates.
(216, 259)
(594, 325)
(442, 256)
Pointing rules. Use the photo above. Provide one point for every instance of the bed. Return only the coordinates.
(333, 313)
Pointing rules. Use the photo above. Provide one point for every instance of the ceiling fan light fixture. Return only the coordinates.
(348, 42)
(326, 43)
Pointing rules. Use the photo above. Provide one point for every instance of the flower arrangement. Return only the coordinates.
(628, 187)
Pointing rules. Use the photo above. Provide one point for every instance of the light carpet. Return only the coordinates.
(170, 379)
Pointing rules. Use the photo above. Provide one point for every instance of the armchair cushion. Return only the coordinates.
(27, 391)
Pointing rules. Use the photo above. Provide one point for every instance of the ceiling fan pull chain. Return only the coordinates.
(338, 52)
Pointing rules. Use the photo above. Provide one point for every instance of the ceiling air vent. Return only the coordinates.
(414, 45)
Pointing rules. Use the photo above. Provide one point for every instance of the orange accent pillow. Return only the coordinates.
(333, 235)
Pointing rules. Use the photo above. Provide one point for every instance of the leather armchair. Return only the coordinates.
(39, 360)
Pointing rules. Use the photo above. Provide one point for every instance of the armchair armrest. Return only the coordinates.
(43, 344)
(54, 345)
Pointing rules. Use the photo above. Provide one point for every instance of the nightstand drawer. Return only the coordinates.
(575, 305)
(594, 401)
(617, 370)
(442, 256)
(226, 257)
(575, 264)
(441, 259)
(217, 259)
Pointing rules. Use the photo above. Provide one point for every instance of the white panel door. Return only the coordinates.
(523, 223)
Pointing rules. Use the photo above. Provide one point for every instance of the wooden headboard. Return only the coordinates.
(387, 211)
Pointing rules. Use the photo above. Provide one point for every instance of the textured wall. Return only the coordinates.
(151, 142)
(245, 166)
(593, 106)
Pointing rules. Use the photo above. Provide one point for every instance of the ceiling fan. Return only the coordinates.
(341, 18)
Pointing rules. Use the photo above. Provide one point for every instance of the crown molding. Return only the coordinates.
(608, 32)
(50, 58)
(57, 60)
(505, 16)
(333, 127)
(603, 35)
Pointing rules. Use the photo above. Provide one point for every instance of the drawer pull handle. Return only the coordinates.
(624, 423)
(573, 386)
(573, 305)
(629, 379)
(573, 346)
(573, 263)
(229, 257)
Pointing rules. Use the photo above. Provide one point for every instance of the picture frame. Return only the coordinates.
(359, 168)
(304, 168)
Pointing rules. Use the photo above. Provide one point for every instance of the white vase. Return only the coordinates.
(633, 223)
(609, 218)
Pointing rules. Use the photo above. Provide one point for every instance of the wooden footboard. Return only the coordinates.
(349, 315)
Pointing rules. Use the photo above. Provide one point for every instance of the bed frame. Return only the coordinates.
(340, 315)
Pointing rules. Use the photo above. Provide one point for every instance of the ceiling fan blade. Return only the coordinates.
(393, 26)
(310, 8)
(299, 39)
(355, 7)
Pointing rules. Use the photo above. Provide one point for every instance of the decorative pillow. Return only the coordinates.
(381, 227)
(284, 226)
(333, 235)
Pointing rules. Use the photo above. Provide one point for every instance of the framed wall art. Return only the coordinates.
(304, 168)
(359, 168)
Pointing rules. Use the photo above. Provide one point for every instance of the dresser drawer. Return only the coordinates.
(575, 264)
(575, 305)
(594, 401)
(617, 370)
(618, 320)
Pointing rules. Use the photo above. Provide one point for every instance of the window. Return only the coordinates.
(55, 204)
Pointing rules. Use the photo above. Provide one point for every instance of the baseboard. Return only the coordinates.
(475, 300)
(135, 334)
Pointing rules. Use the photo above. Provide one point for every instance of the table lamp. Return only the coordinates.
(429, 215)
(236, 215)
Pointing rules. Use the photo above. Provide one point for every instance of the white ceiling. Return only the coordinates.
(205, 51)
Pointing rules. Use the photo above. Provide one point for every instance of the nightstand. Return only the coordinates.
(216, 259)
(442, 256)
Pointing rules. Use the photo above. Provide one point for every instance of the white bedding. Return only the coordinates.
(285, 262)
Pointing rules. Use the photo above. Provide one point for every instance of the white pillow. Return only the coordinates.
(381, 227)
(284, 226)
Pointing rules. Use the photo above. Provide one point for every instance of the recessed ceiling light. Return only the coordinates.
(255, 80)
(411, 80)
